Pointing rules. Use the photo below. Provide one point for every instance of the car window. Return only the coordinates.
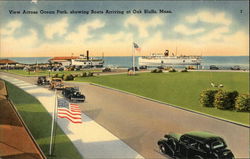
(184, 139)
(193, 143)
(217, 144)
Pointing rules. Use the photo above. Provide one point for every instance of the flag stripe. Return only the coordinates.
(66, 112)
(72, 113)
(73, 121)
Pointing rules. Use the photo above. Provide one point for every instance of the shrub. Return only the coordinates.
(185, 70)
(225, 99)
(76, 75)
(69, 77)
(87, 74)
(55, 75)
(207, 97)
(243, 103)
(156, 71)
(60, 76)
(84, 74)
(172, 70)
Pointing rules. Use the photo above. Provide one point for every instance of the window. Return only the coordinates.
(217, 144)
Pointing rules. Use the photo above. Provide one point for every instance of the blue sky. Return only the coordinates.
(193, 27)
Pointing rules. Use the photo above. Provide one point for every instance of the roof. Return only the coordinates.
(175, 135)
(201, 134)
(64, 58)
(7, 61)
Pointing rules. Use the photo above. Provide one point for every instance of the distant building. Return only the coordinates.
(65, 61)
(8, 62)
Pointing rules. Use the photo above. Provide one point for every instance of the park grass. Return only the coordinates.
(180, 89)
(38, 121)
(46, 72)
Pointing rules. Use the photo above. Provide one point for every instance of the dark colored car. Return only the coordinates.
(42, 80)
(213, 67)
(143, 67)
(132, 69)
(194, 145)
(106, 69)
(73, 94)
(235, 67)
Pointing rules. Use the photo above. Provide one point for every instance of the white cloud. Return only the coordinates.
(208, 17)
(143, 25)
(215, 34)
(57, 28)
(187, 31)
(11, 27)
(22, 46)
(117, 37)
(83, 31)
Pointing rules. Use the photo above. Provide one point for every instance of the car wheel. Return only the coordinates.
(162, 148)
(165, 149)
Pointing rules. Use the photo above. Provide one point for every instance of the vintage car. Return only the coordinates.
(237, 67)
(106, 69)
(213, 67)
(42, 80)
(73, 94)
(194, 145)
(133, 68)
(56, 83)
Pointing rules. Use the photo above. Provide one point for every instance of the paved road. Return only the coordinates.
(90, 139)
(140, 123)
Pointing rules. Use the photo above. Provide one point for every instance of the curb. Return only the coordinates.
(174, 106)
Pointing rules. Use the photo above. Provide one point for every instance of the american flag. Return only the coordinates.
(136, 46)
(69, 111)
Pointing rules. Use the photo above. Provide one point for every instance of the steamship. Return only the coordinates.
(79, 61)
(165, 59)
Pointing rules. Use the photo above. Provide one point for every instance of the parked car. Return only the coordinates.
(194, 145)
(42, 80)
(235, 67)
(213, 67)
(73, 94)
(56, 83)
(143, 67)
(132, 69)
(106, 69)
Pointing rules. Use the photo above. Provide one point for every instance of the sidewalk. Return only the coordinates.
(91, 139)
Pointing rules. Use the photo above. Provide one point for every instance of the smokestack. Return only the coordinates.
(87, 54)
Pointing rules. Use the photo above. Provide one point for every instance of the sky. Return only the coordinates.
(207, 28)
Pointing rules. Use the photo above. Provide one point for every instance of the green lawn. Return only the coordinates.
(38, 121)
(46, 73)
(181, 89)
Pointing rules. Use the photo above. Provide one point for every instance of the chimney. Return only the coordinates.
(87, 54)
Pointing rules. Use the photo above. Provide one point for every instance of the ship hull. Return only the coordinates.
(164, 61)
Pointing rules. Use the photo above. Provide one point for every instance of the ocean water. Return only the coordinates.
(223, 62)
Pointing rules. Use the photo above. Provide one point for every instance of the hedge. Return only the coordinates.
(172, 70)
(225, 99)
(87, 74)
(243, 103)
(69, 77)
(156, 71)
(207, 97)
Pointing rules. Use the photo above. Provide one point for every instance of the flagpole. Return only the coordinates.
(133, 58)
(52, 127)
